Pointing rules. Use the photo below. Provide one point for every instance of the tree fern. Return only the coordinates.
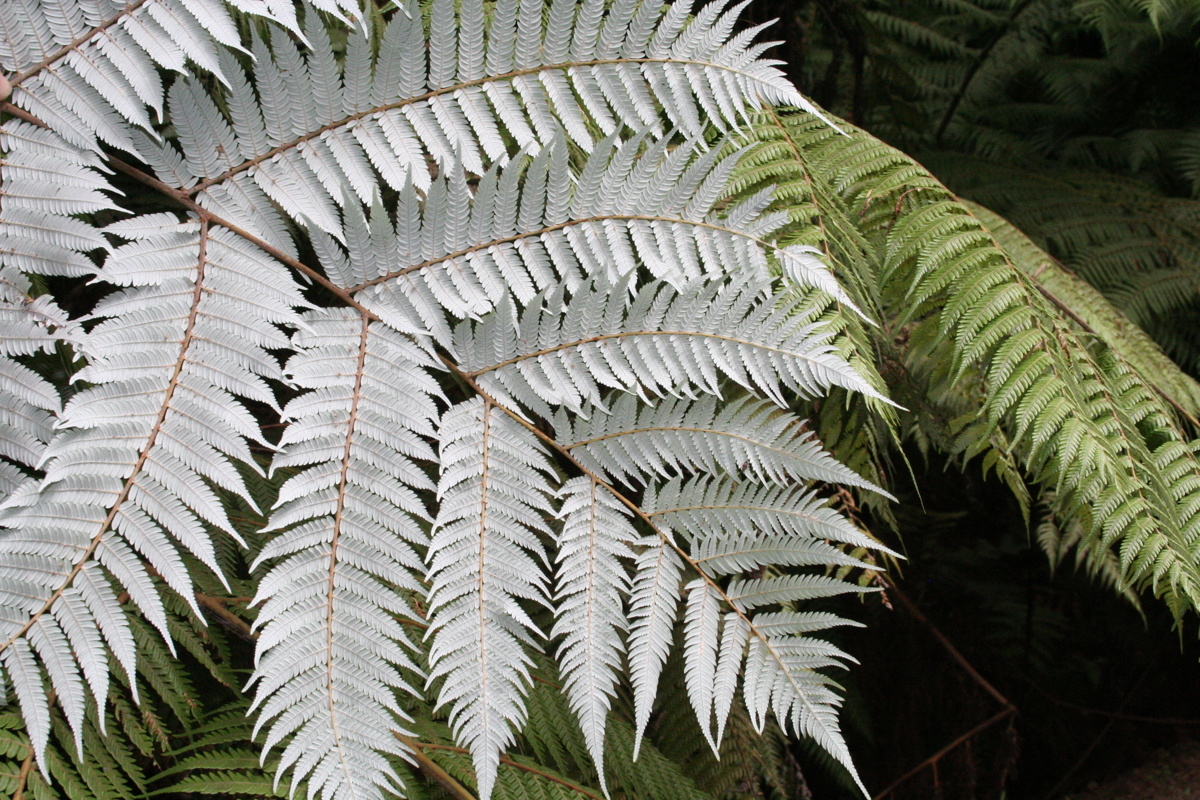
(526, 305)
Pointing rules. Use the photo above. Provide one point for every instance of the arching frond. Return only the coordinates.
(319, 128)
(1073, 414)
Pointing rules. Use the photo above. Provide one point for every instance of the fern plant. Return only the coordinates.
(547, 246)
(533, 317)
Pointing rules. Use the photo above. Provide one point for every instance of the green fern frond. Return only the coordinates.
(975, 326)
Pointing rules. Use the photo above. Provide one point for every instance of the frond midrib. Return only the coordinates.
(292, 144)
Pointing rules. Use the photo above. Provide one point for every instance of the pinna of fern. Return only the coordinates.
(1013, 361)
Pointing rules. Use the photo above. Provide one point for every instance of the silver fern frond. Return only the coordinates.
(641, 443)
(525, 205)
(318, 128)
(494, 493)
(127, 477)
(89, 68)
(660, 341)
(331, 651)
(595, 542)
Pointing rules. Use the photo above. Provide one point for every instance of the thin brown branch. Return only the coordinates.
(933, 759)
(958, 657)
(23, 775)
(1008, 708)
(1099, 712)
(1065, 780)
(233, 622)
(505, 760)
(431, 768)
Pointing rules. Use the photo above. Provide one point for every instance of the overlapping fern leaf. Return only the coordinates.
(1005, 364)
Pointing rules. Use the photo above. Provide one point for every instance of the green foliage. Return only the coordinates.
(1002, 372)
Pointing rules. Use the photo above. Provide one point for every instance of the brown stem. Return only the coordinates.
(430, 768)
(933, 759)
(23, 775)
(1008, 709)
(505, 760)
(233, 622)
(958, 657)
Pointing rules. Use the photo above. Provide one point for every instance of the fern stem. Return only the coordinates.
(226, 617)
(505, 760)
(431, 768)
(23, 776)
(933, 759)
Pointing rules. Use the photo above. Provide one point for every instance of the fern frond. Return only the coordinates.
(596, 536)
(741, 528)
(1076, 417)
(90, 69)
(28, 402)
(744, 437)
(494, 493)
(661, 341)
(47, 182)
(127, 472)
(521, 232)
(319, 128)
(1087, 305)
(331, 653)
